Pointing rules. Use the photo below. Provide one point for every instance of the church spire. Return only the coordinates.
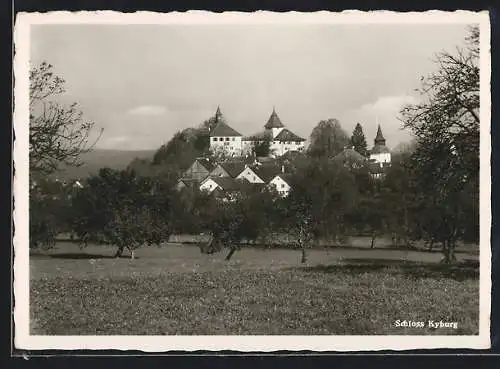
(379, 139)
(218, 114)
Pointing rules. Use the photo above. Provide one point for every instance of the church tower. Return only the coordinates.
(218, 115)
(380, 153)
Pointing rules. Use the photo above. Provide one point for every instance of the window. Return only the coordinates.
(214, 139)
(227, 138)
(254, 178)
(232, 139)
(282, 185)
(297, 143)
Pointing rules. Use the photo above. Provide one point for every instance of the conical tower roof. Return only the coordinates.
(379, 146)
(379, 139)
(274, 121)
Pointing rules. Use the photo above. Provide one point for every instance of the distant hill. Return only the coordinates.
(100, 158)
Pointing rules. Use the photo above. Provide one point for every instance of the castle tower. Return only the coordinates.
(274, 124)
(223, 138)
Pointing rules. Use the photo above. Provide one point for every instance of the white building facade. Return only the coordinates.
(224, 139)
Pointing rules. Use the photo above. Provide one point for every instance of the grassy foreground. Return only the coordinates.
(176, 290)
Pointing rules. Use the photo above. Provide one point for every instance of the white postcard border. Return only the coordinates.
(22, 338)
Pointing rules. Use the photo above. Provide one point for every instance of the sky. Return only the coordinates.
(143, 83)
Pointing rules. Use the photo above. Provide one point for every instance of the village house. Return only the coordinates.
(227, 188)
(228, 168)
(281, 183)
(250, 175)
(195, 174)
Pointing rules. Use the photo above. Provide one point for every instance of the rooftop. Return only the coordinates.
(206, 164)
(286, 135)
(274, 121)
(233, 168)
(223, 130)
(267, 172)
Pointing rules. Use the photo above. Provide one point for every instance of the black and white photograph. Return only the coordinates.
(252, 181)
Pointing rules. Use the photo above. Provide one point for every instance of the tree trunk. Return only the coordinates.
(372, 244)
(132, 254)
(449, 252)
(119, 252)
(231, 252)
(304, 255)
(431, 244)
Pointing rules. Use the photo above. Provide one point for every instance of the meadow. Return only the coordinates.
(176, 290)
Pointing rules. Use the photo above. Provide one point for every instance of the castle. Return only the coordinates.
(224, 138)
(226, 175)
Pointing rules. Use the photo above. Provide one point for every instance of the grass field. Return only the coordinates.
(177, 290)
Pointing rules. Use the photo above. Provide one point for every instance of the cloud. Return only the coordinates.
(384, 111)
(147, 110)
(388, 104)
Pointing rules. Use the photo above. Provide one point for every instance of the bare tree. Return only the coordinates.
(446, 125)
(58, 133)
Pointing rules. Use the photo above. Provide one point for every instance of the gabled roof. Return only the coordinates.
(287, 135)
(233, 168)
(206, 164)
(284, 176)
(229, 184)
(267, 172)
(223, 130)
(274, 121)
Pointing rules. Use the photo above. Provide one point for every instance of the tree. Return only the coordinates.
(368, 216)
(328, 139)
(245, 218)
(58, 133)
(185, 146)
(179, 152)
(261, 148)
(322, 194)
(48, 208)
(446, 125)
(399, 196)
(123, 209)
(358, 140)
